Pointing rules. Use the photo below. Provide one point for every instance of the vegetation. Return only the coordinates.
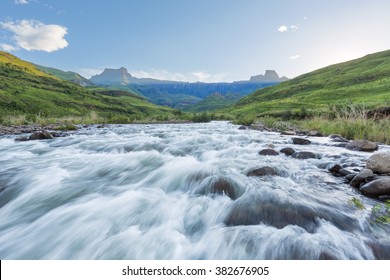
(28, 95)
(358, 203)
(214, 102)
(65, 75)
(381, 213)
(364, 80)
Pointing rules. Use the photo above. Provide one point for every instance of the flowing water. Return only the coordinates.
(180, 191)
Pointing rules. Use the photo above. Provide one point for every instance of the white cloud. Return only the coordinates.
(294, 28)
(22, 2)
(198, 76)
(282, 28)
(7, 48)
(295, 57)
(305, 18)
(34, 35)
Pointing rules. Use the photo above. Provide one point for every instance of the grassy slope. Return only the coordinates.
(213, 102)
(27, 90)
(65, 75)
(364, 80)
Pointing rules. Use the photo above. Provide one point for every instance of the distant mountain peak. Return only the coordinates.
(111, 76)
(270, 76)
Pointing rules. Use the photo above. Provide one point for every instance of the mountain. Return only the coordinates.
(180, 94)
(364, 81)
(270, 76)
(65, 75)
(30, 92)
(111, 77)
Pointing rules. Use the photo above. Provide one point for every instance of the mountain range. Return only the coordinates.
(183, 95)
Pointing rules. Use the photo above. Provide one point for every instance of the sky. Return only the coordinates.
(193, 40)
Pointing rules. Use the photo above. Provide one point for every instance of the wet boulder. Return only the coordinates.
(272, 210)
(305, 155)
(219, 186)
(243, 127)
(263, 171)
(288, 132)
(287, 151)
(364, 176)
(268, 152)
(335, 169)
(300, 141)
(376, 188)
(41, 135)
(315, 133)
(362, 145)
(338, 138)
(379, 163)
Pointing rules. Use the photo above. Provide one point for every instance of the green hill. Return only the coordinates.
(25, 90)
(364, 80)
(214, 102)
(65, 75)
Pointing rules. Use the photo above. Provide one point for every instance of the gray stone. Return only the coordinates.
(263, 171)
(315, 133)
(287, 151)
(41, 135)
(364, 176)
(338, 138)
(268, 152)
(379, 163)
(304, 155)
(288, 132)
(300, 141)
(362, 145)
(378, 187)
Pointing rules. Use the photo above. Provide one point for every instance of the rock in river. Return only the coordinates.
(263, 171)
(379, 163)
(364, 176)
(300, 141)
(377, 187)
(304, 155)
(41, 135)
(268, 152)
(362, 145)
(287, 151)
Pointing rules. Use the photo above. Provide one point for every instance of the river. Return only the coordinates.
(180, 191)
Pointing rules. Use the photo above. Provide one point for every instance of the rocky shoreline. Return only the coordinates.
(372, 181)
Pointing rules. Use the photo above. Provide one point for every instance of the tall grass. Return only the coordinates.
(352, 122)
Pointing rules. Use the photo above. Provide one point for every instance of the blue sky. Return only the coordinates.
(193, 40)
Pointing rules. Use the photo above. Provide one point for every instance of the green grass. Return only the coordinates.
(364, 80)
(28, 95)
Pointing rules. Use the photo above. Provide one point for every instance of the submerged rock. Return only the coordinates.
(41, 135)
(379, 163)
(305, 155)
(268, 152)
(270, 210)
(288, 132)
(287, 151)
(364, 176)
(300, 141)
(263, 171)
(377, 187)
(222, 186)
(315, 133)
(362, 145)
(338, 138)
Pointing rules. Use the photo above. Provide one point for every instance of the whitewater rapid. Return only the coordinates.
(143, 192)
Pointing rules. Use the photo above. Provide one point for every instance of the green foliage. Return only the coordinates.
(203, 117)
(28, 95)
(358, 203)
(381, 213)
(361, 81)
(245, 120)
